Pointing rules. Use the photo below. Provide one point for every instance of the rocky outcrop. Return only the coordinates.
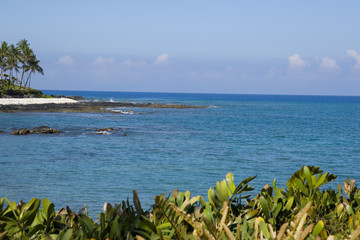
(45, 130)
(110, 131)
(106, 131)
(37, 130)
(77, 98)
(22, 131)
(87, 107)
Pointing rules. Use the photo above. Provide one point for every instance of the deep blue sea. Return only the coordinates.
(270, 136)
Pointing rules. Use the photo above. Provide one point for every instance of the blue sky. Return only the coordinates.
(259, 47)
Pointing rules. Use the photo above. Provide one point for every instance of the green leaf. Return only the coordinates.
(289, 203)
(114, 228)
(68, 235)
(11, 207)
(242, 186)
(349, 210)
(321, 180)
(50, 213)
(313, 180)
(194, 200)
(277, 209)
(102, 222)
(207, 213)
(180, 199)
(187, 194)
(1, 204)
(244, 228)
(87, 223)
(45, 204)
(202, 201)
(277, 191)
(147, 226)
(318, 228)
(307, 174)
(339, 209)
(265, 206)
(30, 211)
(164, 225)
(301, 186)
(212, 197)
(263, 228)
(222, 191)
(230, 182)
(34, 230)
(252, 213)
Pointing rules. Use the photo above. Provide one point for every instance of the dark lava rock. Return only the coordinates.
(45, 130)
(22, 131)
(71, 97)
(107, 129)
(77, 98)
(85, 107)
(37, 130)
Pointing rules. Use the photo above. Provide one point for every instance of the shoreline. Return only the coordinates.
(11, 105)
(29, 101)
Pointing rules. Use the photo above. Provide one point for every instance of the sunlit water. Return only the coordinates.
(188, 149)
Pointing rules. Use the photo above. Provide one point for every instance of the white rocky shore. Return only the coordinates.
(27, 101)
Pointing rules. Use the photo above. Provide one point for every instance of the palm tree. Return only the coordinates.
(33, 68)
(4, 52)
(14, 58)
(12, 64)
(26, 54)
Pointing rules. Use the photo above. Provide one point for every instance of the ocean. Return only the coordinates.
(270, 136)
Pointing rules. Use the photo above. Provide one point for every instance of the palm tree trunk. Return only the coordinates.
(9, 80)
(22, 78)
(28, 80)
(1, 79)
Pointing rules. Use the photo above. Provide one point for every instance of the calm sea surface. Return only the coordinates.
(190, 149)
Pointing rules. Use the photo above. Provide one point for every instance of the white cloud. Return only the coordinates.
(162, 59)
(103, 61)
(352, 53)
(296, 62)
(328, 64)
(66, 60)
(130, 63)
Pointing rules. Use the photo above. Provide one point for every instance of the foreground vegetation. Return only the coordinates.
(302, 210)
(17, 66)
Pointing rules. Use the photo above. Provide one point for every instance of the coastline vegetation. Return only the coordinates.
(18, 63)
(304, 209)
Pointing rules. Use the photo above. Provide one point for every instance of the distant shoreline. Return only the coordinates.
(29, 101)
(10, 105)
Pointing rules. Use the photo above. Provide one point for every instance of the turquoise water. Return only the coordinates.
(189, 149)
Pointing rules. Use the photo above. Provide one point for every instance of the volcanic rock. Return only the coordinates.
(22, 131)
(44, 130)
(37, 130)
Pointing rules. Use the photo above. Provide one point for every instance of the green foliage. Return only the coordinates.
(17, 65)
(28, 92)
(302, 210)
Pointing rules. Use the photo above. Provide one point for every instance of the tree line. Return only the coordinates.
(17, 65)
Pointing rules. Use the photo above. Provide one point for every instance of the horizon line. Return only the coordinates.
(213, 93)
